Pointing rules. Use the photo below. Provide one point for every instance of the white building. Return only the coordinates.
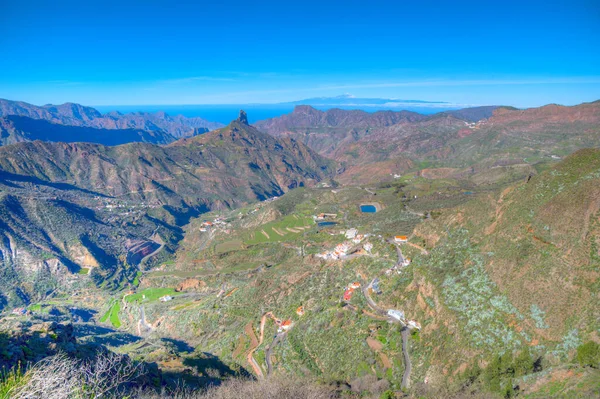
(396, 314)
(351, 233)
(412, 324)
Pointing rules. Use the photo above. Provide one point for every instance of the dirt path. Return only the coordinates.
(423, 250)
(250, 356)
(255, 343)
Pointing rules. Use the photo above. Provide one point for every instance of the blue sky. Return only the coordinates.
(523, 53)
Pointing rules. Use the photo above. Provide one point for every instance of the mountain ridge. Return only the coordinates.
(14, 129)
(79, 115)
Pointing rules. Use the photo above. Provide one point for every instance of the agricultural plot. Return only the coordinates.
(113, 315)
(228, 246)
(284, 229)
(150, 295)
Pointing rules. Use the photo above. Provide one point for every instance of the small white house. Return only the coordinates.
(412, 324)
(165, 298)
(396, 314)
(351, 233)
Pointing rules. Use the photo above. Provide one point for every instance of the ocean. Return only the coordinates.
(225, 113)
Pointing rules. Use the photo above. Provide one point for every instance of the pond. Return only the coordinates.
(325, 224)
(368, 208)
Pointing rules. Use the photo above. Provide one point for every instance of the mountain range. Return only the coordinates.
(159, 124)
(371, 145)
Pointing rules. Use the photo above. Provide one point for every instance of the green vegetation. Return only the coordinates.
(10, 380)
(113, 314)
(150, 295)
(136, 280)
(284, 229)
(588, 354)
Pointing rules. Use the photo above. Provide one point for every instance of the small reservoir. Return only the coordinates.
(326, 224)
(368, 208)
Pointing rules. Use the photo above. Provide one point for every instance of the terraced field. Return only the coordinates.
(285, 229)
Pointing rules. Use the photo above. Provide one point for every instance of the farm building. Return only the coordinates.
(348, 294)
(401, 238)
(285, 325)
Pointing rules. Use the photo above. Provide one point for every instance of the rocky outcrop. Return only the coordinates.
(190, 284)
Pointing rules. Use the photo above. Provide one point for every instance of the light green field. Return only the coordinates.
(113, 315)
(150, 295)
(228, 246)
(279, 230)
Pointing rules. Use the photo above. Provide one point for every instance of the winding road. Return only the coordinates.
(407, 364)
(278, 338)
(276, 341)
(405, 332)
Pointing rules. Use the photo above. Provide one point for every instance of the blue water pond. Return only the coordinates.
(324, 224)
(368, 208)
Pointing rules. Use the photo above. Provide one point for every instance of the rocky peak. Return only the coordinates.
(243, 118)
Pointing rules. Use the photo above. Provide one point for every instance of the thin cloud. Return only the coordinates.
(422, 83)
(481, 82)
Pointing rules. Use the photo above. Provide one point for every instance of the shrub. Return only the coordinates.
(275, 387)
(588, 354)
(61, 377)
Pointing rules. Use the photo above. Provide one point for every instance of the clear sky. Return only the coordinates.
(522, 53)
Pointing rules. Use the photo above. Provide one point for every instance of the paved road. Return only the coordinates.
(398, 252)
(407, 364)
(405, 332)
(143, 322)
(278, 338)
(370, 301)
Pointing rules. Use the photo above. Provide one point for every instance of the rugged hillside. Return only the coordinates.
(539, 243)
(499, 274)
(504, 291)
(83, 205)
(16, 129)
(374, 149)
(79, 115)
